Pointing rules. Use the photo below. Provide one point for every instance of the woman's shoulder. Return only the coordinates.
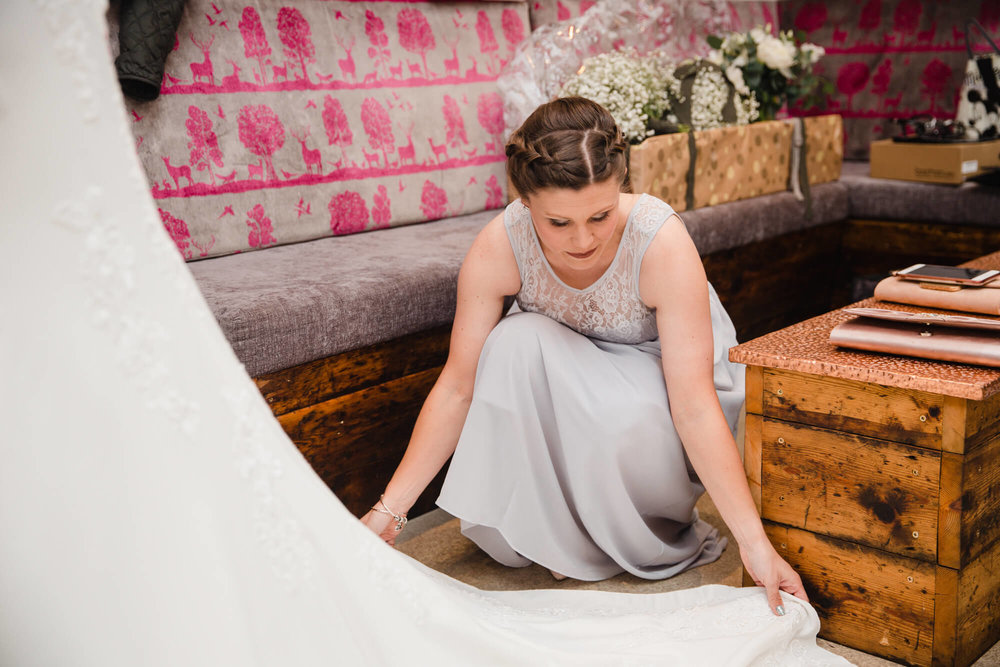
(650, 204)
(515, 213)
(491, 255)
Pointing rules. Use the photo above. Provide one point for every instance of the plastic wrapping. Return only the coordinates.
(552, 53)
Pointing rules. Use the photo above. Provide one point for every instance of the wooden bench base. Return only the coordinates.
(351, 414)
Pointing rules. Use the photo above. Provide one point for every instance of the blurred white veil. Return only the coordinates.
(152, 512)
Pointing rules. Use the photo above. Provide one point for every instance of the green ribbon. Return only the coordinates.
(693, 155)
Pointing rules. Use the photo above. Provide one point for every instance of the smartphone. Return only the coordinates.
(949, 275)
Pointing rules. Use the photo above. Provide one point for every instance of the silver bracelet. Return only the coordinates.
(399, 518)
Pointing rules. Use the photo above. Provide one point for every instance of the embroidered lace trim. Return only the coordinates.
(610, 308)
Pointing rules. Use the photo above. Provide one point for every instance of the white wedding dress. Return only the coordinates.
(152, 512)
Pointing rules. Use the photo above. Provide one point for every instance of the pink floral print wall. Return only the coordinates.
(889, 59)
(281, 122)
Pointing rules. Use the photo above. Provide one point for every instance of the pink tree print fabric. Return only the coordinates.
(281, 122)
(738, 15)
(888, 59)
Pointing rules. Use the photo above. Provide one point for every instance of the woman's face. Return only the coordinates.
(576, 227)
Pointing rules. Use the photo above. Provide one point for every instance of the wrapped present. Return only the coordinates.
(740, 162)
(660, 165)
(735, 162)
(824, 141)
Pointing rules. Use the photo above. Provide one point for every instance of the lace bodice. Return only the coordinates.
(610, 308)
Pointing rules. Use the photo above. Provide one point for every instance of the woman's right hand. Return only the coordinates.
(382, 525)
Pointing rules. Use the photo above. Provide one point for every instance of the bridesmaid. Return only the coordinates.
(587, 421)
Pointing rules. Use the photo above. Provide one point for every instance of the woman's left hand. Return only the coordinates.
(382, 525)
(770, 570)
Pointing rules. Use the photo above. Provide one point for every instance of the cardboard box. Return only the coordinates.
(933, 163)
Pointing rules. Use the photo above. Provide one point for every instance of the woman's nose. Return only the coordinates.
(582, 238)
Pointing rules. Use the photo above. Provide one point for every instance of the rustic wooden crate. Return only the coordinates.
(351, 414)
(887, 502)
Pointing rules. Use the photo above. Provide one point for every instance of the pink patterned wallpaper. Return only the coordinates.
(737, 15)
(278, 124)
(889, 58)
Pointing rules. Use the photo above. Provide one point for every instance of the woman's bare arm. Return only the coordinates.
(672, 280)
(489, 273)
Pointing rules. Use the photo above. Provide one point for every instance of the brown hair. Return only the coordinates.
(569, 142)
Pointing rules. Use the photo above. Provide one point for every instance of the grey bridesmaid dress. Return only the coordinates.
(569, 457)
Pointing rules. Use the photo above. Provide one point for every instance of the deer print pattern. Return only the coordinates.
(392, 116)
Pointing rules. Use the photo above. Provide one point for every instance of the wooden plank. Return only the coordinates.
(980, 500)
(978, 606)
(755, 390)
(867, 599)
(982, 421)
(945, 615)
(879, 246)
(902, 415)
(874, 492)
(953, 424)
(752, 456)
(321, 380)
(950, 511)
(342, 432)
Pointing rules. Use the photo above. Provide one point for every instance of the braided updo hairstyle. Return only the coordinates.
(569, 142)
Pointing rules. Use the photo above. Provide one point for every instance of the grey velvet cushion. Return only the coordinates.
(726, 226)
(292, 304)
(886, 199)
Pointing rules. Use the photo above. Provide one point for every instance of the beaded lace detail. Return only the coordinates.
(608, 309)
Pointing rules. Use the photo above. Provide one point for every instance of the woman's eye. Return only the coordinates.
(602, 217)
(558, 223)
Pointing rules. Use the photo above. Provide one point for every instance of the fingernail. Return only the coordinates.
(780, 610)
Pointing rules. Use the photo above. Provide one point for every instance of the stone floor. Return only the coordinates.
(434, 539)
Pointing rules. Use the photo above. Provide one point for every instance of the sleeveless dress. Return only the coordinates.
(569, 457)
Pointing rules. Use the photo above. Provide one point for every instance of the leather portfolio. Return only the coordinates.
(968, 340)
(985, 299)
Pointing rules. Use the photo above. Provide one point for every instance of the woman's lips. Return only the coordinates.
(582, 255)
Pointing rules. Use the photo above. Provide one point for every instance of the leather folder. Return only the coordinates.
(985, 299)
(926, 335)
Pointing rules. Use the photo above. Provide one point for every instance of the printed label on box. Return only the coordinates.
(970, 166)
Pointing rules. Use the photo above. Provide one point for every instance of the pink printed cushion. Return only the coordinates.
(280, 123)
(888, 59)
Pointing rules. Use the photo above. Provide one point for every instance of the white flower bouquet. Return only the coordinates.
(774, 67)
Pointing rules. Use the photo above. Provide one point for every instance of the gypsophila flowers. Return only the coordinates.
(635, 90)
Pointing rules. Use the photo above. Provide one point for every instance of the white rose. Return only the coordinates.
(741, 59)
(733, 42)
(758, 35)
(714, 57)
(735, 76)
(813, 52)
(774, 54)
